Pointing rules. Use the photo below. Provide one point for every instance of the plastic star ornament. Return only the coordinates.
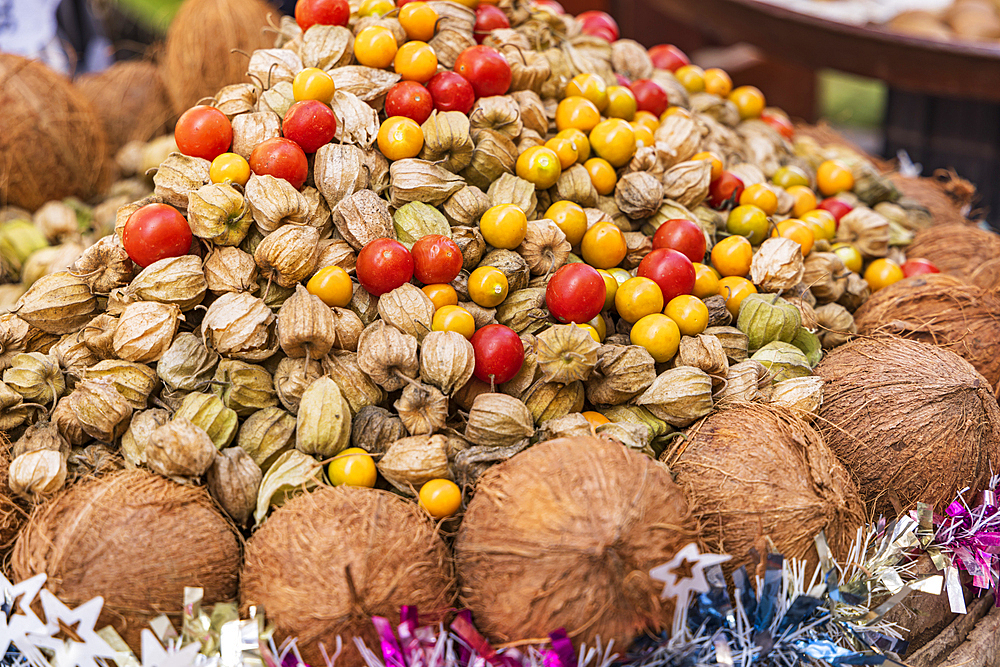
(69, 633)
(20, 621)
(154, 655)
(685, 573)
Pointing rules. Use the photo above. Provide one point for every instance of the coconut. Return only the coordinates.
(758, 472)
(200, 56)
(137, 540)
(131, 100)
(51, 139)
(564, 535)
(912, 422)
(957, 249)
(941, 310)
(13, 514)
(345, 554)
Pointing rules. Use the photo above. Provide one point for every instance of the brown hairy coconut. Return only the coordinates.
(13, 514)
(327, 561)
(756, 473)
(131, 100)
(564, 535)
(52, 144)
(199, 58)
(912, 422)
(135, 538)
(941, 310)
(946, 196)
(957, 249)
(987, 275)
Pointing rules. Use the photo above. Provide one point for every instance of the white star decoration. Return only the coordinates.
(676, 585)
(70, 652)
(21, 621)
(154, 655)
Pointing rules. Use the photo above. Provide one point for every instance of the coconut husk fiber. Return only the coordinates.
(199, 58)
(13, 510)
(955, 249)
(947, 197)
(52, 144)
(131, 100)
(987, 275)
(941, 310)
(327, 561)
(756, 473)
(912, 422)
(136, 539)
(564, 535)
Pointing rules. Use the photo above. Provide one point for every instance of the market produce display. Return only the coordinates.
(485, 309)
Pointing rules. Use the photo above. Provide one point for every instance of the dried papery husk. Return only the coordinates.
(177, 177)
(43, 435)
(621, 485)
(629, 58)
(510, 189)
(759, 472)
(347, 329)
(637, 246)
(336, 252)
(422, 408)
(291, 378)
(524, 311)
(856, 292)
(244, 388)
(39, 341)
(251, 129)
(241, 326)
(209, 413)
(338, 171)
(621, 373)
(385, 353)
(571, 425)
(73, 356)
(465, 207)
(368, 83)
(37, 475)
(935, 431)
(566, 353)
(364, 305)
(415, 220)
(574, 185)
(529, 69)
(470, 241)
(677, 139)
(957, 249)
(58, 303)
(801, 396)
(765, 318)
(532, 112)
(866, 230)
(669, 210)
(136, 437)
(274, 202)
(746, 381)
(687, 182)
(449, 43)
(179, 449)
(420, 180)
(178, 281)
(634, 436)
(549, 400)
(725, 112)
(36, 377)
(678, 396)
(362, 217)
(824, 274)
(941, 310)
(513, 266)
(498, 420)
(327, 47)
(410, 462)
(544, 248)
(101, 410)
(777, 265)
(357, 122)
(274, 66)
(447, 140)
(408, 309)
(498, 112)
(57, 221)
(234, 479)
(229, 269)
(638, 194)
(376, 168)
(145, 331)
(359, 389)
(104, 265)
(288, 255)
(136, 382)
(835, 325)
(341, 526)
(375, 429)
(704, 351)
(525, 377)
(63, 418)
(323, 423)
(266, 435)
(306, 327)
(447, 360)
(481, 316)
(219, 213)
(237, 98)
(494, 154)
(783, 361)
(291, 474)
(806, 312)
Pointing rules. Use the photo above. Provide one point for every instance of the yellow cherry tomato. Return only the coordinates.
(804, 198)
(591, 331)
(691, 77)
(706, 281)
(638, 297)
(332, 285)
(229, 168)
(441, 294)
(731, 256)
(504, 226)
(578, 112)
(690, 313)
(643, 135)
(419, 20)
(790, 175)
(375, 8)
(823, 224)
(749, 221)
(717, 82)
(415, 61)
(603, 246)
(602, 175)
(375, 46)
(883, 272)
(591, 87)
(761, 196)
(675, 110)
(565, 149)
(613, 140)
(749, 101)
(600, 326)
(798, 231)
(648, 119)
(734, 289)
(488, 286)
(539, 165)
(313, 83)
(832, 177)
(849, 255)
(454, 318)
(352, 467)
(580, 142)
(621, 103)
(658, 334)
(716, 162)
(620, 274)
(400, 137)
(570, 218)
(440, 498)
(595, 418)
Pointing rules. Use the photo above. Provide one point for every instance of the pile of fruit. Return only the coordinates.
(421, 238)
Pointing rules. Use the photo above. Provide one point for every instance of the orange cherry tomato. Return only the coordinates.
(419, 20)
(375, 46)
(400, 137)
(488, 286)
(613, 140)
(716, 162)
(603, 246)
(731, 256)
(658, 334)
(734, 289)
(691, 77)
(611, 286)
(832, 177)
(577, 112)
(229, 168)
(332, 285)
(849, 255)
(690, 313)
(638, 297)
(790, 175)
(440, 498)
(822, 222)
(570, 218)
(798, 231)
(749, 101)
(441, 294)
(565, 149)
(454, 318)
(580, 142)
(602, 175)
(761, 196)
(804, 198)
(621, 103)
(590, 87)
(352, 467)
(706, 281)
(504, 226)
(717, 82)
(313, 83)
(539, 165)
(883, 272)
(415, 61)
(643, 135)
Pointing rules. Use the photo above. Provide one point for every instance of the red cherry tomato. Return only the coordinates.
(409, 99)
(451, 92)
(918, 265)
(309, 123)
(576, 293)
(669, 57)
(499, 353)
(436, 259)
(838, 207)
(324, 12)
(281, 158)
(551, 4)
(778, 122)
(488, 18)
(383, 265)
(155, 232)
(669, 269)
(649, 96)
(203, 132)
(598, 24)
(724, 192)
(683, 236)
(485, 68)
(623, 80)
